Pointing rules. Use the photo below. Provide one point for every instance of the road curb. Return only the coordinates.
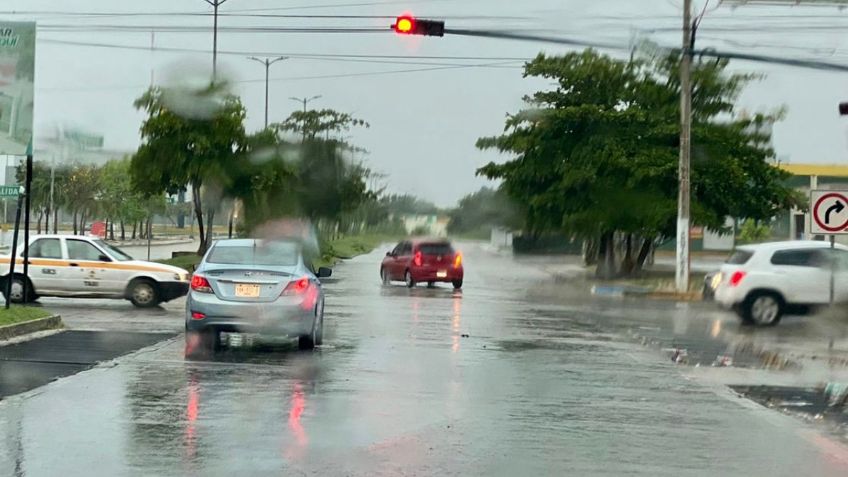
(27, 327)
(672, 295)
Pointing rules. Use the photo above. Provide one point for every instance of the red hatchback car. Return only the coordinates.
(423, 260)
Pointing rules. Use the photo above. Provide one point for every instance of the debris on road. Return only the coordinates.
(723, 361)
(679, 356)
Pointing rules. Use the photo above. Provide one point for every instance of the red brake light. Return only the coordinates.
(736, 278)
(418, 260)
(297, 287)
(196, 315)
(200, 284)
(457, 262)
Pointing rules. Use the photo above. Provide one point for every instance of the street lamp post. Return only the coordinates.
(215, 4)
(305, 101)
(267, 62)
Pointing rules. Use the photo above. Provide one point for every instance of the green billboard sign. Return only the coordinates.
(17, 78)
(10, 191)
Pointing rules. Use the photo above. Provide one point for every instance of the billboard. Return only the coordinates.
(17, 75)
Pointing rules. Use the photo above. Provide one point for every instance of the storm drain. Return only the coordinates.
(28, 365)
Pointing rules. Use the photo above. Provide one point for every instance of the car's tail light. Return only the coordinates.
(457, 261)
(200, 284)
(303, 287)
(196, 315)
(736, 277)
(419, 259)
(297, 287)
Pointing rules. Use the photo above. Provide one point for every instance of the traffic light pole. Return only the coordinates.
(28, 181)
(14, 250)
(681, 269)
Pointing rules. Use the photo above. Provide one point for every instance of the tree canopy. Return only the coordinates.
(597, 155)
(180, 151)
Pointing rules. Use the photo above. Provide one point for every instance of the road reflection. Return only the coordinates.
(296, 449)
(192, 412)
(456, 322)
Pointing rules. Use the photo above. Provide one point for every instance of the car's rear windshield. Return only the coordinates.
(268, 254)
(739, 257)
(435, 248)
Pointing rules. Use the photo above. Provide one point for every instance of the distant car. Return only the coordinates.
(255, 287)
(87, 267)
(423, 260)
(762, 282)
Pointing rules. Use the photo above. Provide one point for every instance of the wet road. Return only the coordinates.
(513, 376)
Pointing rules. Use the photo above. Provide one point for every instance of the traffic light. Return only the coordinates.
(408, 25)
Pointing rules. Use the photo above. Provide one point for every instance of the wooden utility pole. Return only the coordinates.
(683, 223)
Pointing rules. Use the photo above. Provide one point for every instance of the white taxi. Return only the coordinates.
(87, 267)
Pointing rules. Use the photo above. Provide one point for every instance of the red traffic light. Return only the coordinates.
(405, 25)
(408, 25)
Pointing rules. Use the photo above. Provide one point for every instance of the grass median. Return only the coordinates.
(21, 314)
(332, 251)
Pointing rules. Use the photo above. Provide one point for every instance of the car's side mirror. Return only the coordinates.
(324, 272)
(389, 254)
(104, 258)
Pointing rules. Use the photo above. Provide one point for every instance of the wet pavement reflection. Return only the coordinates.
(514, 375)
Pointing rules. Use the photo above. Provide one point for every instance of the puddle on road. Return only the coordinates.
(808, 403)
(547, 344)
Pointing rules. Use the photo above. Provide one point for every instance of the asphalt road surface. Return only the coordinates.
(515, 375)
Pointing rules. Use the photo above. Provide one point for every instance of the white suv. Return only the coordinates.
(761, 282)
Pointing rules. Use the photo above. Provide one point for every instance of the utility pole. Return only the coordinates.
(305, 101)
(682, 256)
(267, 62)
(215, 4)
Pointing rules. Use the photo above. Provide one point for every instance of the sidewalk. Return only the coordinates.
(153, 243)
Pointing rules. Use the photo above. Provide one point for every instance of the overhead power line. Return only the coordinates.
(294, 78)
(281, 53)
(204, 29)
(707, 52)
(247, 15)
(388, 59)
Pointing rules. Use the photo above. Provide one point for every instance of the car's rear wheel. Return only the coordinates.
(457, 284)
(144, 293)
(763, 308)
(306, 342)
(319, 326)
(384, 276)
(407, 278)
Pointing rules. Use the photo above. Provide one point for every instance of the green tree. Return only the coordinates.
(478, 212)
(80, 189)
(596, 156)
(314, 123)
(408, 204)
(40, 193)
(198, 152)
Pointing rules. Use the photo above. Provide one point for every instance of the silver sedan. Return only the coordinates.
(256, 288)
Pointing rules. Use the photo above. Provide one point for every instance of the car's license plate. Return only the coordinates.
(441, 274)
(247, 290)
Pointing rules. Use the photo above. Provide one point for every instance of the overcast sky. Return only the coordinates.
(423, 123)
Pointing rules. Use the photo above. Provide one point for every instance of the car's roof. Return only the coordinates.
(249, 242)
(90, 237)
(788, 245)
